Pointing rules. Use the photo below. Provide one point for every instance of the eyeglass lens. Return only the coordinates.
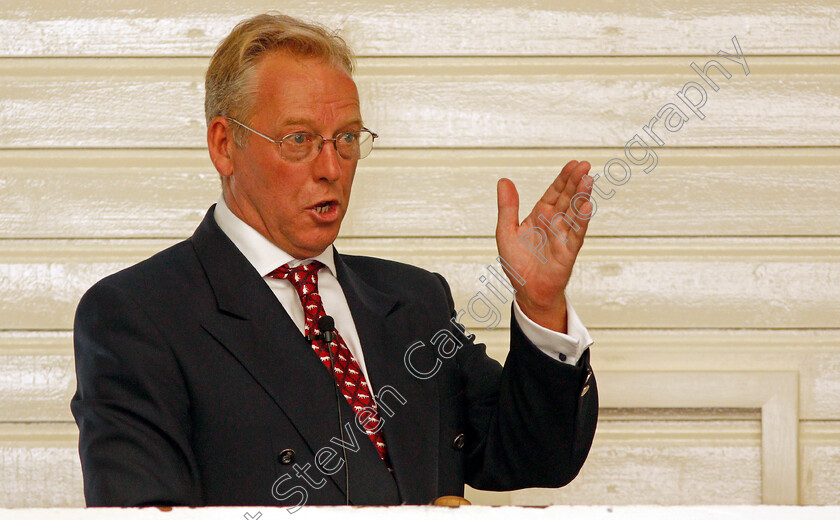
(300, 147)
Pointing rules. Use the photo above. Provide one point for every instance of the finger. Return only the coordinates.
(574, 185)
(582, 214)
(555, 189)
(508, 201)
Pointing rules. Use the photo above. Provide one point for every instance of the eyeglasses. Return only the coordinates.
(305, 146)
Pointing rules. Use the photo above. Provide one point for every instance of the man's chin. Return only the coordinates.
(315, 246)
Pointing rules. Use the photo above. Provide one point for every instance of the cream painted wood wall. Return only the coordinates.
(711, 285)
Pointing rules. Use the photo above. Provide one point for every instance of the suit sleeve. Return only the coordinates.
(529, 423)
(131, 406)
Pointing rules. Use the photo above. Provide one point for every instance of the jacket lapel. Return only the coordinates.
(411, 429)
(253, 326)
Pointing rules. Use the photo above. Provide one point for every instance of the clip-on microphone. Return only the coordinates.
(326, 326)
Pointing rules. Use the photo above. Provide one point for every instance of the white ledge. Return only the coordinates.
(429, 512)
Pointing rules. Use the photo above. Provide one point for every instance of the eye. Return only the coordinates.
(348, 137)
(299, 138)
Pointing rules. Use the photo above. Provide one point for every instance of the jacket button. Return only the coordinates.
(286, 456)
(458, 442)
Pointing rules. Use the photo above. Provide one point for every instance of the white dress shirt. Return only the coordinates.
(266, 257)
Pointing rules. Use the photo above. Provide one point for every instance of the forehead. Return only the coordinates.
(297, 88)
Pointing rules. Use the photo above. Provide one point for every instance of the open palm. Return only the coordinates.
(546, 265)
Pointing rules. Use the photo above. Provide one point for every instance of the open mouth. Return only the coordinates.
(327, 209)
(324, 207)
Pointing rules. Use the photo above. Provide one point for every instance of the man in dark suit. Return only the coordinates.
(209, 374)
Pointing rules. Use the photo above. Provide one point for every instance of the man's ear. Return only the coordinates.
(220, 144)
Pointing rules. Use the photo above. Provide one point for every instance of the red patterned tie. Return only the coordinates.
(346, 371)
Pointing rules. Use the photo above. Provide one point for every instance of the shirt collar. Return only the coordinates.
(258, 250)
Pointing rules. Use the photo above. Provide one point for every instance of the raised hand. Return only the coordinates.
(542, 248)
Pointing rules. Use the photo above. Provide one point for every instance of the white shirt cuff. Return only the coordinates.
(555, 344)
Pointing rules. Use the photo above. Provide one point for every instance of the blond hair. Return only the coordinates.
(230, 84)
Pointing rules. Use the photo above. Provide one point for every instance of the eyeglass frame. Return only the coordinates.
(373, 137)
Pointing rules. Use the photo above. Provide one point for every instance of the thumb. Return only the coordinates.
(508, 201)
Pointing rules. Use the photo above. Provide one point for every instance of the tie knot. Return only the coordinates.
(299, 276)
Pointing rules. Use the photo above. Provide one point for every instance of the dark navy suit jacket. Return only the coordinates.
(196, 388)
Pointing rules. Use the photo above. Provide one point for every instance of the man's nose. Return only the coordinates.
(327, 164)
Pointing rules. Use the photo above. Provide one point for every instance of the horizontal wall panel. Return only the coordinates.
(617, 283)
(102, 194)
(442, 103)
(164, 193)
(423, 27)
(37, 375)
(671, 463)
(39, 466)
